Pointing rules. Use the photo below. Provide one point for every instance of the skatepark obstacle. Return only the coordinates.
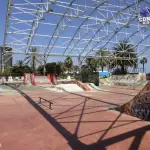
(139, 106)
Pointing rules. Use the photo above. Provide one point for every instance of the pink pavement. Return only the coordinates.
(78, 121)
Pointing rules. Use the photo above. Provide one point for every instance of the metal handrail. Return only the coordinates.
(50, 103)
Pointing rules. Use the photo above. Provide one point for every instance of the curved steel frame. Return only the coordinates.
(73, 27)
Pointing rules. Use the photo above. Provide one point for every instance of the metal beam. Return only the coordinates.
(59, 55)
(5, 33)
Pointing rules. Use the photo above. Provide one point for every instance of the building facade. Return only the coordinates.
(8, 60)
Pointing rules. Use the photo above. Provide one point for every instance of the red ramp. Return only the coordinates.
(81, 85)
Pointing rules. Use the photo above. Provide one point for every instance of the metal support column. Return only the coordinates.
(44, 70)
(80, 66)
(5, 34)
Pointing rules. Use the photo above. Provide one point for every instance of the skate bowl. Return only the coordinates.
(139, 106)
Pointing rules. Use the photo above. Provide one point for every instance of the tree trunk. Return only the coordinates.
(102, 68)
(122, 68)
(33, 61)
(33, 64)
(143, 67)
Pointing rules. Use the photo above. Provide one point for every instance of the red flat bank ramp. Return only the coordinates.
(81, 85)
(139, 106)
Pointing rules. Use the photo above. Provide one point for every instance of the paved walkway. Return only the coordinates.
(80, 121)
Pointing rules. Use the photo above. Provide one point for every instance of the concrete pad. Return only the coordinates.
(76, 121)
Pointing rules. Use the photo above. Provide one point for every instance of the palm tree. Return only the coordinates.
(68, 63)
(91, 64)
(20, 63)
(33, 59)
(102, 61)
(122, 51)
(8, 71)
(62, 67)
(143, 61)
(76, 68)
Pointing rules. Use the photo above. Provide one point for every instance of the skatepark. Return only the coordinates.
(79, 119)
(75, 75)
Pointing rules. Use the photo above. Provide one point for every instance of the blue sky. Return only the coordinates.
(3, 5)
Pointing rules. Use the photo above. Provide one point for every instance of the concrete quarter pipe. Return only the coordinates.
(139, 106)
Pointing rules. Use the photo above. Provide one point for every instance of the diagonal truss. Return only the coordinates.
(75, 28)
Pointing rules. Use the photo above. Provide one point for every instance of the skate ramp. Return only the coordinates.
(40, 80)
(93, 87)
(54, 89)
(139, 106)
(81, 85)
(88, 85)
(70, 87)
(31, 79)
(96, 88)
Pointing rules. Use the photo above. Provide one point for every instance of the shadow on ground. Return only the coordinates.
(101, 144)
